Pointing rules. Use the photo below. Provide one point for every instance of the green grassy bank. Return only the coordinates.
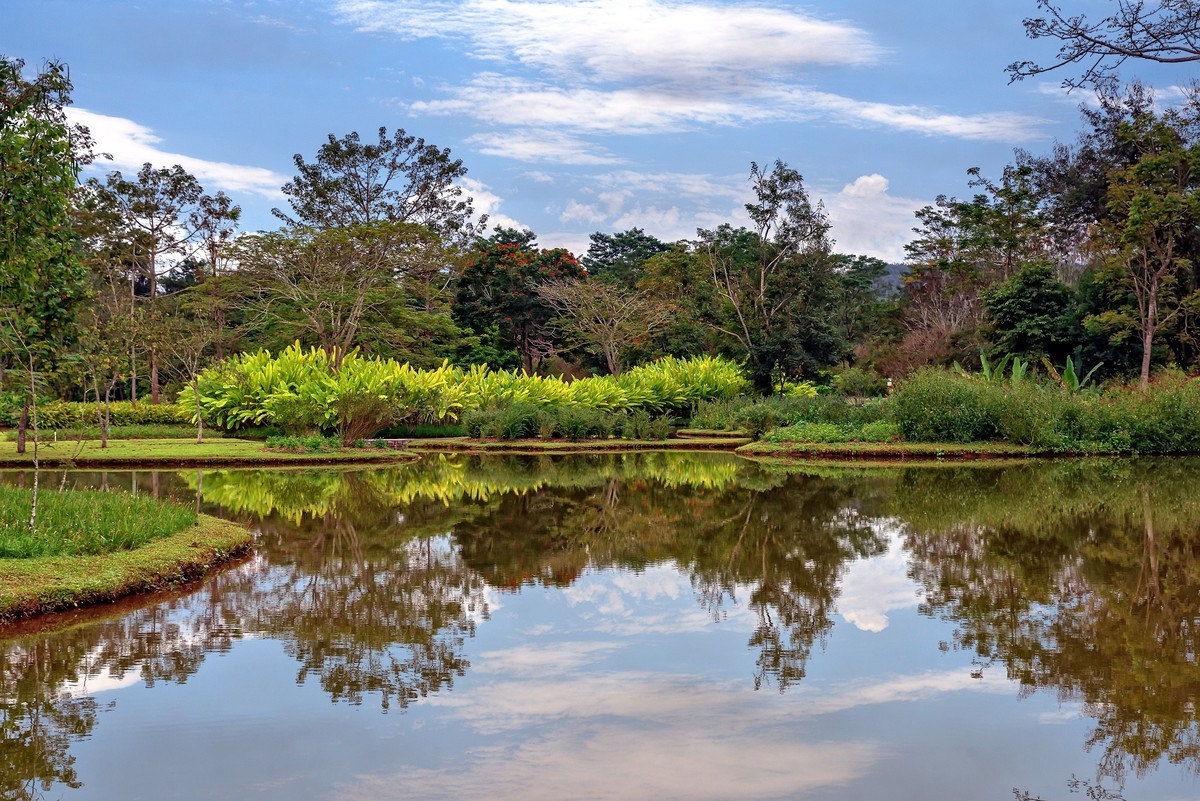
(92, 547)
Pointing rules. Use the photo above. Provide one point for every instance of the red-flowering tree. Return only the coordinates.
(497, 292)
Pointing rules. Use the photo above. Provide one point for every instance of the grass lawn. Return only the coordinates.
(169, 452)
(92, 547)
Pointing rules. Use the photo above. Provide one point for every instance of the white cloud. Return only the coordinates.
(635, 67)
(485, 201)
(867, 221)
(625, 40)
(132, 144)
(509, 101)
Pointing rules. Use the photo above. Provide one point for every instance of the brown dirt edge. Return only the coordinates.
(894, 452)
(31, 587)
(525, 447)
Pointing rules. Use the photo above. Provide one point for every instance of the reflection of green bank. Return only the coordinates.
(446, 479)
(1079, 577)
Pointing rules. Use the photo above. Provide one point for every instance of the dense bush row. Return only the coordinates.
(520, 420)
(65, 414)
(301, 390)
(941, 406)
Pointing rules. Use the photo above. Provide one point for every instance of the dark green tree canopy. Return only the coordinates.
(497, 292)
(42, 279)
(619, 257)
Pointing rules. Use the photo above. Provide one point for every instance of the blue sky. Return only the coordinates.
(571, 117)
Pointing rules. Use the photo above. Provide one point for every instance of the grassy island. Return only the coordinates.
(91, 547)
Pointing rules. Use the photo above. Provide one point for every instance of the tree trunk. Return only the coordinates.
(153, 378)
(23, 427)
(1148, 328)
(199, 414)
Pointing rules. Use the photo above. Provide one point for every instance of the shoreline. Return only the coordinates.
(41, 585)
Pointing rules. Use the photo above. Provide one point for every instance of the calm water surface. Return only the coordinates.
(665, 626)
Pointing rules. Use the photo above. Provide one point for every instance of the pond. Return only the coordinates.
(666, 626)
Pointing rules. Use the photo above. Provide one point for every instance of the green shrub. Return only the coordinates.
(859, 382)
(879, 431)
(662, 427)
(808, 432)
(69, 414)
(547, 423)
(517, 421)
(636, 425)
(311, 444)
(475, 421)
(756, 418)
(935, 405)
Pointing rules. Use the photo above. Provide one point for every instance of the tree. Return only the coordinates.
(603, 318)
(399, 178)
(769, 279)
(160, 206)
(42, 279)
(498, 291)
(1156, 208)
(187, 335)
(215, 220)
(326, 283)
(1029, 315)
(1167, 32)
(618, 258)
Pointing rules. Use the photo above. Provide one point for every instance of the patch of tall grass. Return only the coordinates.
(84, 522)
(942, 406)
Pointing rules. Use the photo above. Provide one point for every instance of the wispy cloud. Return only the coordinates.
(625, 40)
(636, 67)
(131, 144)
(543, 146)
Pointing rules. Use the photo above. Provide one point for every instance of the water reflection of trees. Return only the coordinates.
(45, 678)
(781, 542)
(1081, 579)
(1075, 578)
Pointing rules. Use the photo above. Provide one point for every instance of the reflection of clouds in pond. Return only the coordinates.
(874, 586)
(601, 762)
(658, 599)
(539, 659)
(650, 735)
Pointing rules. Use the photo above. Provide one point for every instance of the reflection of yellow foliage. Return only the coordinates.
(295, 495)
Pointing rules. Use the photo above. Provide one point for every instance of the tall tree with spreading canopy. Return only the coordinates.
(618, 258)
(160, 206)
(42, 279)
(398, 178)
(770, 280)
(1156, 209)
(323, 285)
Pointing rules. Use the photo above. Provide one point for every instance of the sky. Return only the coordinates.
(571, 117)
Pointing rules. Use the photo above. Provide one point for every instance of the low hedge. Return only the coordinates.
(68, 414)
